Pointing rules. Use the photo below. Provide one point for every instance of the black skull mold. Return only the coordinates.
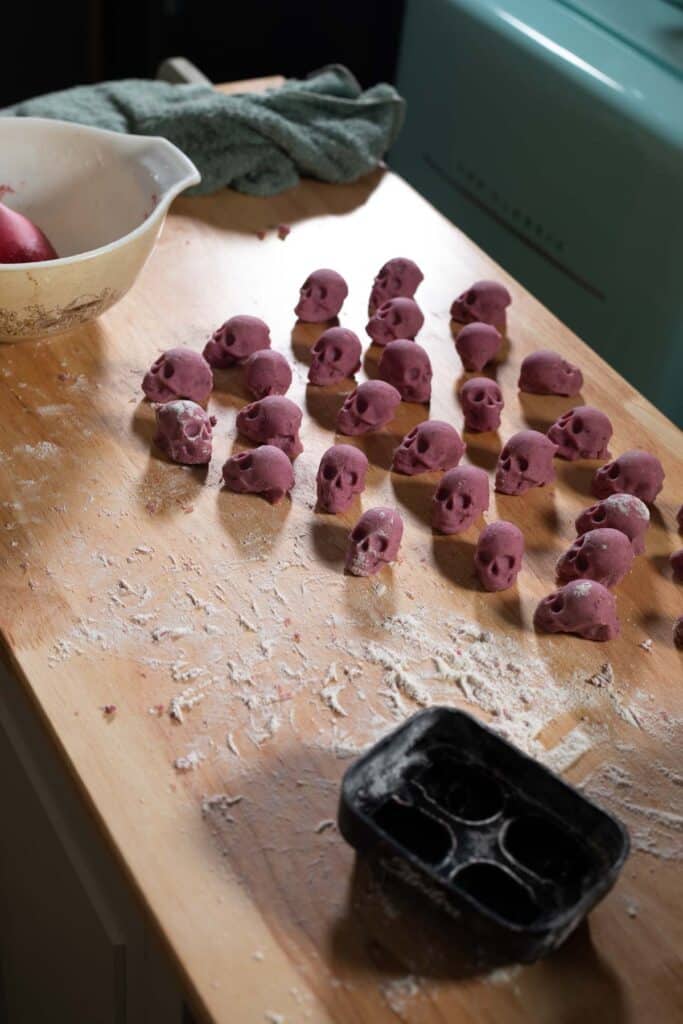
(405, 365)
(622, 512)
(581, 433)
(604, 555)
(395, 318)
(635, 472)
(370, 407)
(178, 373)
(374, 541)
(321, 296)
(398, 278)
(267, 373)
(266, 471)
(233, 342)
(336, 356)
(461, 497)
(526, 461)
(482, 404)
(546, 373)
(484, 301)
(431, 445)
(341, 476)
(583, 607)
(477, 345)
(184, 432)
(273, 420)
(498, 555)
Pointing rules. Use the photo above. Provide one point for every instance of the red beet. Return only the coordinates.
(20, 240)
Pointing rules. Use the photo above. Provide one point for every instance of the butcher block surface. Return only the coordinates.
(246, 669)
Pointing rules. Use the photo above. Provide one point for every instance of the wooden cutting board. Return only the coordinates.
(130, 581)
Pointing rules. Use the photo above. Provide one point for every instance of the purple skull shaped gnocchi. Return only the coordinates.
(341, 476)
(374, 541)
(430, 445)
(267, 373)
(477, 344)
(546, 373)
(622, 512)
(581, 433)
(321, 296)
(368, 408)
(526, 461)
(604, 555)
(484, 301)
(266, 471)
(235, 340)
(583, 607)
(184, 432)
(398, 278)
(273, 420)
(405, 365)
(178, 373)
(336, 355)
(498, 555)
(635, 472)
(460, 498)
(396, 318)
(482, 404)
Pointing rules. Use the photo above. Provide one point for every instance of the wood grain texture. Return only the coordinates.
(127, 580)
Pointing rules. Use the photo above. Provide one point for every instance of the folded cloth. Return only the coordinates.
(323, 127)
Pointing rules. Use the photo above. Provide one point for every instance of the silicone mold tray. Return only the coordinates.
(469, 820)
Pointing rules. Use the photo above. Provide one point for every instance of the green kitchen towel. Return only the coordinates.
(322, 127)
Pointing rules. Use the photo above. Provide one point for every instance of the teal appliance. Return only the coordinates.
(551, 132)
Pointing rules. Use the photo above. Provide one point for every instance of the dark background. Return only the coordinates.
(52, 46)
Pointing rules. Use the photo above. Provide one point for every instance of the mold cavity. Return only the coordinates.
(418, 832)
(497, 890)
(466, 791)
(541, 846)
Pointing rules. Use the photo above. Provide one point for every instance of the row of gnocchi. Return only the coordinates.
(600, 557)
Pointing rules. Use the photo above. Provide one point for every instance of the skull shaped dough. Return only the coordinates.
(178, 373)
(321, 296)
(430, 445)
(484, 301)
(547, 373)
(482, 404)
(398, 278)
(395, 318)
(526, 461)
(184, 432)
(635, 472)
(341, 476)
(265, 470)
(406, 366)
(498, 555)
(235, 340)
(368, 408)
(336, 355)
(581, 433)
(676, 563)
(460, 498)
(476, 345)
(273, 420)
(622, 512)
(374, 541)
(604, 555)
(677, 632)
(583, 607)
(267, 373)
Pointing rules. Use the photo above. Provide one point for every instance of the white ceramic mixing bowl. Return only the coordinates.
(101, 198)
